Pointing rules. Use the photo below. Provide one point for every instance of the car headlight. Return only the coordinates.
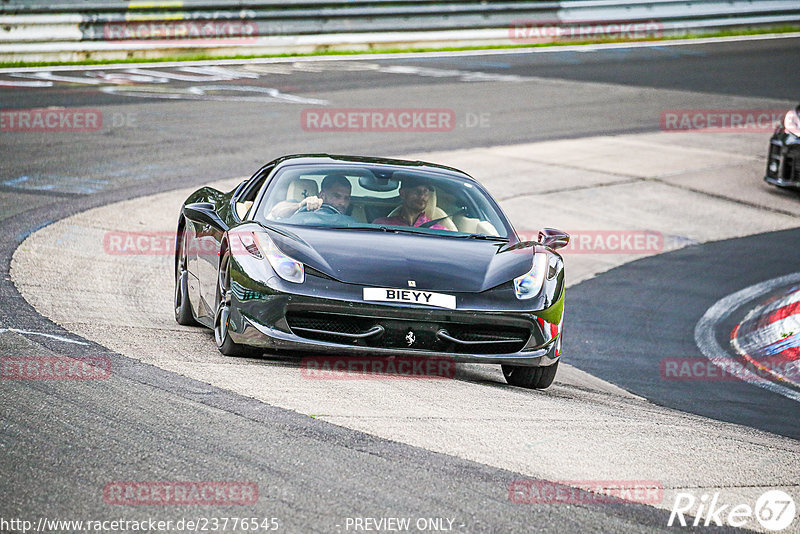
(260, 246)
(791, 123)
(529, 284)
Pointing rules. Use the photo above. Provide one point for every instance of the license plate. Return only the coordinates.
(410, 296)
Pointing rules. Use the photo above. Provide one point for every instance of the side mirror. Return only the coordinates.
(552, 238)
(204, 212)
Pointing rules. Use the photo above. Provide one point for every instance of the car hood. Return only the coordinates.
(388, 259)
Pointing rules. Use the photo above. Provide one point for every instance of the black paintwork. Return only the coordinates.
(339, 263)
(783, 159)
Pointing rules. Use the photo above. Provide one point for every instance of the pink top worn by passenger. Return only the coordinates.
(400, 221)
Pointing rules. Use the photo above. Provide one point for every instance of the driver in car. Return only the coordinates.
(415, 193)
(333, 199)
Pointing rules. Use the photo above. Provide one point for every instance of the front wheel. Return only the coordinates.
(530, 377)
(183, 308)
(222, 316)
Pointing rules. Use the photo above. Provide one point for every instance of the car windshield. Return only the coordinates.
(380, 198)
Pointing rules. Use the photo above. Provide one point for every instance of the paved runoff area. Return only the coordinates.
(622, 197)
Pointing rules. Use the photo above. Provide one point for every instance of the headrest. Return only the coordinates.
(430, 210)
(300, 189)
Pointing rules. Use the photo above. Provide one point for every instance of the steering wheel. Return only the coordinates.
(328, 209)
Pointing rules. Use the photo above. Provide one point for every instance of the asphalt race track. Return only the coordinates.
(672, 293)
(570, 139)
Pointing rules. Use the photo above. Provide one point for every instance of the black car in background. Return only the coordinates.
(317, 253)
(783, 161)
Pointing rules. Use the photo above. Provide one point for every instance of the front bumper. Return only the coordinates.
(783, 160)
(347, 328)
(259, 335)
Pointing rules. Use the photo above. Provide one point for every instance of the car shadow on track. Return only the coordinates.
(482, 374)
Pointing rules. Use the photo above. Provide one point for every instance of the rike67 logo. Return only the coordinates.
(774, 510)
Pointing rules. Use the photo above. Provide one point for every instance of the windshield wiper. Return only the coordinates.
(412, 230)
(484, 237)
(370, 229)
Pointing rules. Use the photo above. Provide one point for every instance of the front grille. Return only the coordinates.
(408, 334)
(791, 170)
(496, 340)
(335, 323)
(302, 324)
(478, 333)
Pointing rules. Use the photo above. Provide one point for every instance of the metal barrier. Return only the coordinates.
(36, 30)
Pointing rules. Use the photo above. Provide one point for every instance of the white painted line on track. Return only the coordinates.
(411, 55)
(705, 331)
(51, 336)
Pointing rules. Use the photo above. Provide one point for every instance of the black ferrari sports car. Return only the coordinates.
(357, 256)
(783, 160)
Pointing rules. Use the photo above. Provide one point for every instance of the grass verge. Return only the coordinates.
(207, 57)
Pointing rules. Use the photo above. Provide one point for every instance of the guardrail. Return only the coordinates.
(68, 30)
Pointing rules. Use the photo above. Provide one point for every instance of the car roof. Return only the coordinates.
(328, 159)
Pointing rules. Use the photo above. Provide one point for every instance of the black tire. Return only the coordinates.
(183, 307)
(221, 335)
(530, 377)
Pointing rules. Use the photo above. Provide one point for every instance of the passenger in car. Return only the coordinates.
(415, 194)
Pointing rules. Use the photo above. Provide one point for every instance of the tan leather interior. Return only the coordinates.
(471, 225)
(463, 223)
(487, 228)
(300, 189)
(243, 207)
